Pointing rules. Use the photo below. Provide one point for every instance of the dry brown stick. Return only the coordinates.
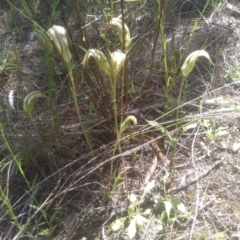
(193, 181)
(152, 169)
(158, 155)
(158, 151)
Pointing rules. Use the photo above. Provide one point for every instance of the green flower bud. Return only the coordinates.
(44, 40)
(59, 38)
(117, 61)
(190, 61)
(118, 23)
(100, 59)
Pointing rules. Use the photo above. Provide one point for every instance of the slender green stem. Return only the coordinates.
(110, 3)
(159, 27)
(180, 96)
(76, 104)
(5, 201)
(118, 131)
(17, 162)
(36, 129)
(114, 86)
(113, 83)
(124, 77)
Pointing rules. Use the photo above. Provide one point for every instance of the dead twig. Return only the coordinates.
(193, 181)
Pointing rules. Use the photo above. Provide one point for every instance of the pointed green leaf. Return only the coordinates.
(189, 126)
(179, 205)
(140, 220)
(132, 228)
(219, 235)
(190, 61)
(163, 215)
(175, 202)
(132, 198)
(168, 207)
(116, 225)
(159, 199)
(131, 209)
(153, 123)
(29, 100)
(156, 125)
(147, 212)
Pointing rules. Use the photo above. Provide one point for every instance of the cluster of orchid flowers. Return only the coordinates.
(57, 36)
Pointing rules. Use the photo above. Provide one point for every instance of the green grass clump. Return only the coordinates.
(99, 65)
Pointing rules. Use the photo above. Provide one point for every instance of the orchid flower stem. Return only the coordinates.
(76, 104)
(118, 131)
(114, 86)
(180, 96)
(113, 83)
(36, 129)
